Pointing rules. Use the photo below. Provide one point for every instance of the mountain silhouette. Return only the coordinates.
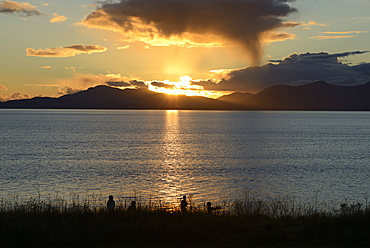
(237, 98)
(315, 96)
(105, 97)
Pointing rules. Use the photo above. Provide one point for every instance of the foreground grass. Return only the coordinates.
(243, 223)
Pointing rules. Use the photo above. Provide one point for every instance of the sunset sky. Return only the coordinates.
(198, 47)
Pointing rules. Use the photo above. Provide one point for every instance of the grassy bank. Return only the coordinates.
(242, 223)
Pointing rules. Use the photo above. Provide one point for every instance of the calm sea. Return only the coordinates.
(212, 155)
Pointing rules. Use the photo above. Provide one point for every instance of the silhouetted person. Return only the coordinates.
(184, 204)
(210, 208)
(132, 208)
(111, 204)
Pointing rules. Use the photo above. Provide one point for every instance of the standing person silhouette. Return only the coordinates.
(132, 208)
(184, 204)
(111, 204)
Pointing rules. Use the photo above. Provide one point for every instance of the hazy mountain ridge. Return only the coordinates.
(315, 96)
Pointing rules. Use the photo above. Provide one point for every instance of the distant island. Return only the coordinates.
(315, 96)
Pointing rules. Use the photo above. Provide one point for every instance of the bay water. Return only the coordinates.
(164, 154)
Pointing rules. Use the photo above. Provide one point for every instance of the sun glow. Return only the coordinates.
(183, 87)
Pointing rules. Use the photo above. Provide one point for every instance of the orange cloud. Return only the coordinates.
(43, 85)
(272, 37)
(346, 32)
(2, 87)
(73, 68)
(328, 37)
(123, 47)
(23, 8)
(68, 51)
(337, 35)
(57, 18)
(313, 23)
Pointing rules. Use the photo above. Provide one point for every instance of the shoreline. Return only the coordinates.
(250, 222)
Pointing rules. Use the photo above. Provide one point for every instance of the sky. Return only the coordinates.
(194, 47)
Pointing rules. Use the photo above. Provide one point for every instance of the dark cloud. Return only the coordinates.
(131, 83)
(244, 22)
(87, 49)
(68, 51)
(323, 55)
(14, 96)
(138, 84)
(162, 85)
(118, 84)
(22, 8)
(335, 55)
(296, 69)
(19, 96)
(68, 91)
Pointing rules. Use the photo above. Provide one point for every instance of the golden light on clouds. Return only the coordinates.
(138, 31)
(183, 87)
(195, 23)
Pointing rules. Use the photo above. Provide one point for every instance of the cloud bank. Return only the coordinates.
(68, 51)
(22, 8)
(246, 23)
(296, 69)
(15, 96)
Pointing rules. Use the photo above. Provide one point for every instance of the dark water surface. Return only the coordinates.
(212, 155)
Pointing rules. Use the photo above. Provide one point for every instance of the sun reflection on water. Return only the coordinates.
(173, 181)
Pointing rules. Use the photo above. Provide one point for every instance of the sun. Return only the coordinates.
(185, 86)
(182, 87)
(185, 82)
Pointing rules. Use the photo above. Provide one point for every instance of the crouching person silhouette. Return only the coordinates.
(210, 208)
